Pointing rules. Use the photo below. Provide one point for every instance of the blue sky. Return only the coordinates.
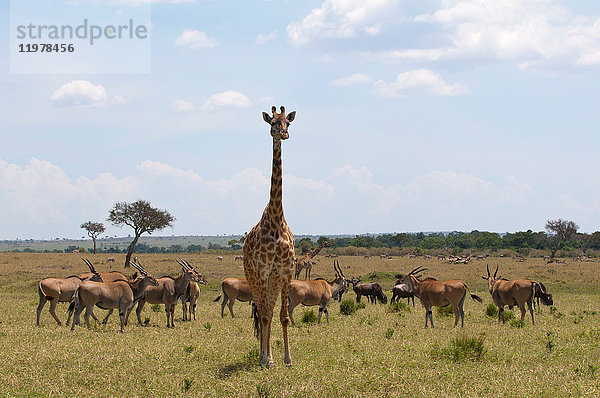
(411, 116)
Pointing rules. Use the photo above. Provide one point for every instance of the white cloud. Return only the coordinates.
(418, 80)
(263, 39)
(357, 78)
(227, 99)
(530, 33)
(182, 106)
(341, 19)
(195, 39)
(325, 59)
(40, 200)
(80, 93)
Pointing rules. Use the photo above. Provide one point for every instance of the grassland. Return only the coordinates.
(372, 353)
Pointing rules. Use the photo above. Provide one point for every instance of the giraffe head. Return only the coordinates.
(279, 122)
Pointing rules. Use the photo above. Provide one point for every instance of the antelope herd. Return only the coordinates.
(114, 290)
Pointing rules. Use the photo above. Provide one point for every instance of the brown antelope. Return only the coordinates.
(168, 292)
(233, 289)
(518, 292)
(318, 292)
(111, 276)
(436, 293)
(372, 291)
(191, 295)
(111, 295)
(61, 290)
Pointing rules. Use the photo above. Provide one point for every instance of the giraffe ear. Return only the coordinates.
(290, 118)
(267, 118)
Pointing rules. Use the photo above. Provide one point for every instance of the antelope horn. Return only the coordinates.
(139, 268)
(488, 269)
(90, 265)
(182, 263)
(415, 270)
(496, 271)
(340, 268)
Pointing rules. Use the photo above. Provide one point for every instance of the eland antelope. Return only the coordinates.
(168, 291)
(517, 292)
(191, 295)
(233, 289)
(111, 295)
(432, 292)
(61, 290)
(318, 292)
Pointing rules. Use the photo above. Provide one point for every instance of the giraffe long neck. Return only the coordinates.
(276, 196)
(316, 251)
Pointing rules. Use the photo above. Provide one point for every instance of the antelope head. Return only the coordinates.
(198, 278)
(279, 122)
(491, 279)
(144, 276)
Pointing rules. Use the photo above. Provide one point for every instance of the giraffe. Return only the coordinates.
(269, 251)
(306, 261)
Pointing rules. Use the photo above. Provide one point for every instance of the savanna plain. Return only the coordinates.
(378, 351)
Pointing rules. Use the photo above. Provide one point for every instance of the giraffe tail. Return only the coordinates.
(256, 320)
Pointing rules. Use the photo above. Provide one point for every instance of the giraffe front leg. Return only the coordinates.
(285, 320)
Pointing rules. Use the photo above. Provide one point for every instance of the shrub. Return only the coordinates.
(187, 384)
(389, 333)
(444, 311)
(309, 317)
(207, 326)
(155, 307)
(491, 311)
(517, 323)
(398, 307)
(189, 349)
(348, 307)
(509, 315)
(465, 348)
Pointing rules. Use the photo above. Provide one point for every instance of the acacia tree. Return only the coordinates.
(140, 216)
(559, 231)
(93, 230)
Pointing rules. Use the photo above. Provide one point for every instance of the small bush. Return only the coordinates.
(253, 355)
(389, 333)
(155, 307)
(398, 307)
(207, 326)
(146, 321)
(444, 311)
(309, 317)
(517, 323)
(348, 307)
(465, 348)
(187, 384)
(189, 349)
(509, 315)
(491, 311)
(550, 340)
(361, 306)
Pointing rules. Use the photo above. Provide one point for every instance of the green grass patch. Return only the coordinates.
(491, 311)
(155, 307)
(389, 333)
(309, 316)
(463, 348)
(398, 307)
(348, 307)
(444, 311)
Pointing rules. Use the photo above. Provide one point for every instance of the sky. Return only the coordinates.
(411, 116)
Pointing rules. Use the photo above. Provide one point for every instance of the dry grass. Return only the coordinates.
(373, 353)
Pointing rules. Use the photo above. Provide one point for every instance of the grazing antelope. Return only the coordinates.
(238, 258)
(111, 295)
(517, 292)
(191, 295)
(220, 258)
(168, 292)
(233, 289)
(436, 293)
(372, 291)
(61, 290)
(541, 293)
(318, 292)
(110, 260)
